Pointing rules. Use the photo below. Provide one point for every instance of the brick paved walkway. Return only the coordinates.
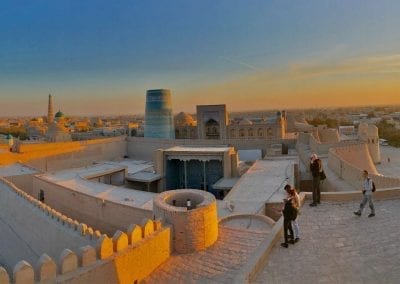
(339, 247)
(217, 264)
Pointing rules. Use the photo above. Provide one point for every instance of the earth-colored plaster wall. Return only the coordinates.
(44, 155)
(133, 263)
(126, 258)
(24, 182)
(318, 147)
(106, 216)
(328, 135)
(349, 162)
(194, 229)
(143, 148)
(358, 156)
(323, 148)
(29, 228)
(82, 153)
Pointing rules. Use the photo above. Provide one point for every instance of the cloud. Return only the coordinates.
(361, 65)
(240, 62)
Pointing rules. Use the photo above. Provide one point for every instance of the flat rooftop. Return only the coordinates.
(75, 179)
(132, 166)
(338, 247)
(204, 149)
(143, 177)
(261, 184)
(16, 170)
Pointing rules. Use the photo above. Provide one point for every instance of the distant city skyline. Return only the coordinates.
(100, 57)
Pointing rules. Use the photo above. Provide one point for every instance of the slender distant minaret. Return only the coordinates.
(50, 113)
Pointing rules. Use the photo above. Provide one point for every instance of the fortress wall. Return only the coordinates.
(128, 257)
(57, 156)
(303, 138)
(323, 148)
(347, 164)
(302, 147)
(48, 146)
(320, 148)
(143, 148)
(335, 163)
(328, 135)
(303, 155)
(30, 228)
(357, 155)
(339, 162)
(24, 182)
(108, 216)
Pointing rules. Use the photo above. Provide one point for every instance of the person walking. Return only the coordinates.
(296, 205)
(289, 214)
(367, 190)
(316, 169)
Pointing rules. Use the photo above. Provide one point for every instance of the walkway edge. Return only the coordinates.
(260, 257)
(380, 194)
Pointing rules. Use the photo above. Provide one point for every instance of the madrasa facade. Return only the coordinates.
(212, 122)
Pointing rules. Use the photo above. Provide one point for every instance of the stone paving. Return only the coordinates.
(217, 264)
(338, 247)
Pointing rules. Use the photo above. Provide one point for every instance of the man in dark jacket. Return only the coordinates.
(316, 169)
(289, 214)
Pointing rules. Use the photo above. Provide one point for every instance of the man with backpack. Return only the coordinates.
(368, 189)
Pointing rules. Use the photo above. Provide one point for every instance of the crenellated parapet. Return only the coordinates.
(133, 254)
(70, 224)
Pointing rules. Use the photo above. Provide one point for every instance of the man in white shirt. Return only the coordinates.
(367, 190)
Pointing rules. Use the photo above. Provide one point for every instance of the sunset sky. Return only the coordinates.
(100, 57)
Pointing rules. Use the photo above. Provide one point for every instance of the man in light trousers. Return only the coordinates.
(367, 195)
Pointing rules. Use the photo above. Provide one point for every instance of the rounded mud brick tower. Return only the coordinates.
(193, 215)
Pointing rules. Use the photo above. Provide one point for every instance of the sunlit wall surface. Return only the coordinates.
(159, 120)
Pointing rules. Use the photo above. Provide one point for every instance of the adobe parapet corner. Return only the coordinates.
(193, 216)
(143, 246)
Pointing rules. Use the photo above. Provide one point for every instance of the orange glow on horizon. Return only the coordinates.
(355, 82)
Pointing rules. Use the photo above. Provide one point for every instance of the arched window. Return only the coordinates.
(241, 133)
(269, 132)
(212, 129)
(260, 132)
(232, 133)
(250, 132)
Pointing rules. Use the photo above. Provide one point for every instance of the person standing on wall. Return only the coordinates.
(367, 190)
(316, 169)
